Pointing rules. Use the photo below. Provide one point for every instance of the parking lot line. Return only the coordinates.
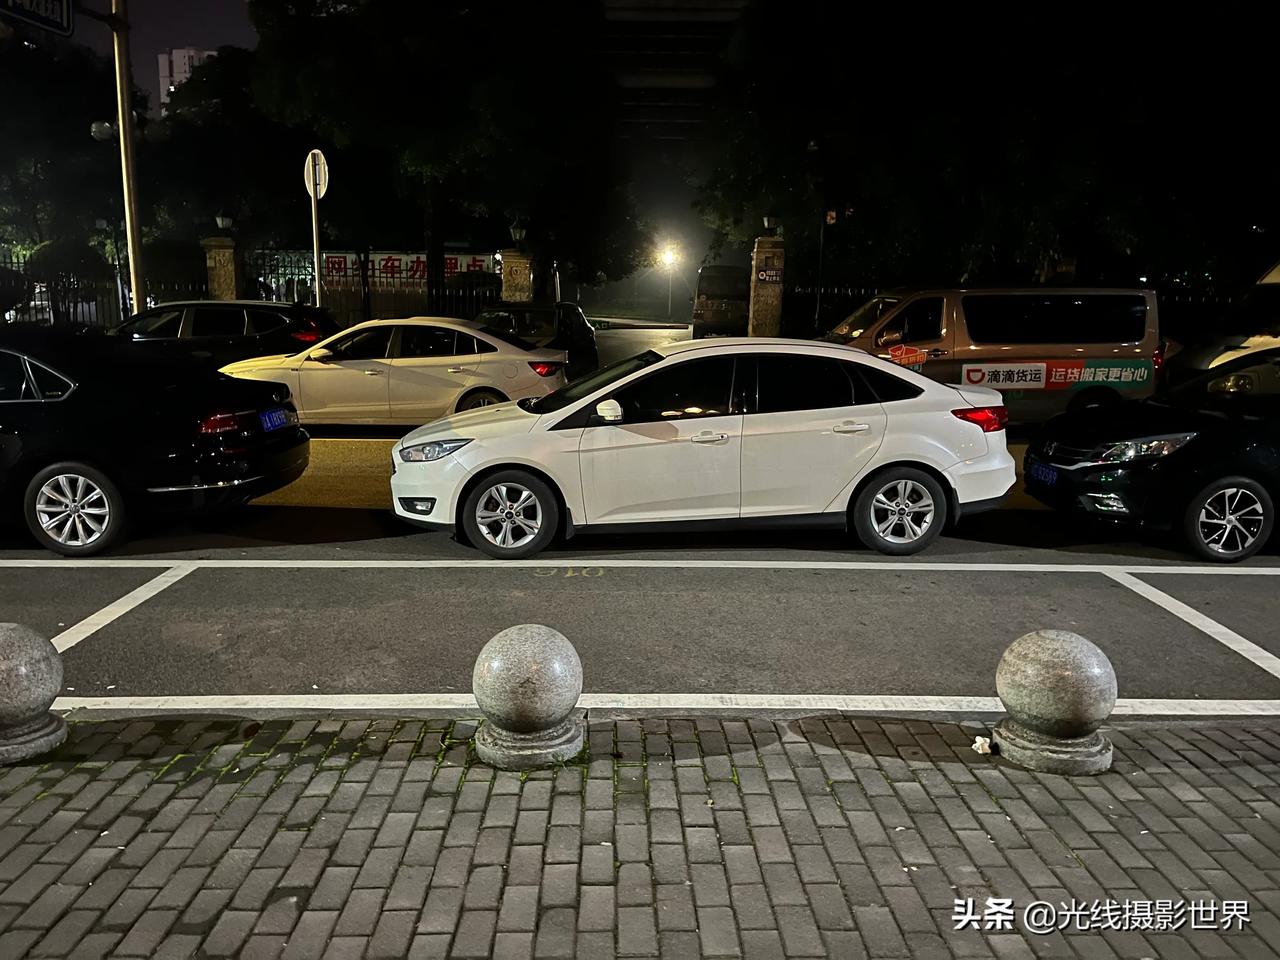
(96, 621)
(648, 701)
(1224, 635)
(939, 566)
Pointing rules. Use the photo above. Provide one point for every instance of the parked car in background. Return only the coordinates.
(1250, 326)
(220, 331)
(558, 326)
(721, 301)
(92, 435)
(1044, 349)
(408, 371)
(1201, 458)
(735, 432)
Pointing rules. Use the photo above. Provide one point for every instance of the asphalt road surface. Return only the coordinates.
(321, 596)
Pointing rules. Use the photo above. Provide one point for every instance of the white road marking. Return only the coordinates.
(648, 701)
(1227, 637)
(113, 611)
(673, 563)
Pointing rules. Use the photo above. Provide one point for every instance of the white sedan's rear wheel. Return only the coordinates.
(900, 512)
(480, 398)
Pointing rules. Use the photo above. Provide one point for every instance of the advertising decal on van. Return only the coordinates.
(1059, 374)
(908, 356)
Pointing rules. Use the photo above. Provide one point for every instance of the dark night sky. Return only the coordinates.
(159, 25)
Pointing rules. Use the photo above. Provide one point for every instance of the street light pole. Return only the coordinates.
(671, 269)
(124, 110)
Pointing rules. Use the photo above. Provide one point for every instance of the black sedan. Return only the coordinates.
(219, 332)
(92, 436)
(1201, 458)
(559, 326)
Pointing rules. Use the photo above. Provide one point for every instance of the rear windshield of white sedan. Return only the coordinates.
(585, 386)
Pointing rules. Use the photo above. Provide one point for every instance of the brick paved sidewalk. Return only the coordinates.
(839, 836)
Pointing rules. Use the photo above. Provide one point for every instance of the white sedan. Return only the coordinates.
(408, 371)
(733, 432)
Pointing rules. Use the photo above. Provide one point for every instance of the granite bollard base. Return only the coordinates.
(1077, 756)
(527, 681)
(30, 678)
(509, 750)
(32, 739)
(1058, 689)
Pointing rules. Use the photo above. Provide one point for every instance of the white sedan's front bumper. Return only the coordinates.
(438, 481)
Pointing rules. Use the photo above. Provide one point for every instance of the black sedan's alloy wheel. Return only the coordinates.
(74, 509)
(1229, 520)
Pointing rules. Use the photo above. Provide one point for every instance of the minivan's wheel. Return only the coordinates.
(511, 515)
(1229, 520)
(481, 398)
(74, 509)
(900, 512)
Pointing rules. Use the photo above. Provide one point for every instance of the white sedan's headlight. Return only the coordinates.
(1144, 447)
(431, 450)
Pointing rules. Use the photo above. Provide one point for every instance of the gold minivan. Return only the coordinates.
(1045, 349)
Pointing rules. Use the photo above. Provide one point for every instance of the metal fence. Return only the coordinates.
(30, 296)
(367, 286)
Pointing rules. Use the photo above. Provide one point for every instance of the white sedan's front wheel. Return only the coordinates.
(900, 512)
(511, 515)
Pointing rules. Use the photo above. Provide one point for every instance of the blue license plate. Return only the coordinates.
(1042, 472)
(274, 419)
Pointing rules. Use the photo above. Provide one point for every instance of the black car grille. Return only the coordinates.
(1054, 451)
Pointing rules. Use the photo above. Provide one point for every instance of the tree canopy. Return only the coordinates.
(961, 144)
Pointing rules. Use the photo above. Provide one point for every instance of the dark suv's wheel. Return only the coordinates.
(900, 512)
(511, 515)
(74, 509)
(1229, 520)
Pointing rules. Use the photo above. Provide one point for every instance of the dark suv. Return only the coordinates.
(221, 331)
(559, 326)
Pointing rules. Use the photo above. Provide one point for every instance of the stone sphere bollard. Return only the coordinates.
(30, 679)
(527, 681)
(1058, 688)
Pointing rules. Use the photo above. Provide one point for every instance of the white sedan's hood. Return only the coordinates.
(277, 362)
(500, 419)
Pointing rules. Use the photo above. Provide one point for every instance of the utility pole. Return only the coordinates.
(124, 108)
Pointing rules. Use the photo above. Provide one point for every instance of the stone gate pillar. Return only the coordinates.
(765, 316)
(223, 266)
(517, 276)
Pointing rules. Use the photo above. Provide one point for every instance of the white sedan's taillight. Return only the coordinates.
(990, 419)
(545, 368)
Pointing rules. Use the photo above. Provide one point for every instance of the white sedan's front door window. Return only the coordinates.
(351, 384)
(676, 455)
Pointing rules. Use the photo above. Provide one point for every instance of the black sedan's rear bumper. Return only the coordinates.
(229, 478)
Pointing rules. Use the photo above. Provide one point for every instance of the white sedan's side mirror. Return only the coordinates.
(610, 411)
(320, 355)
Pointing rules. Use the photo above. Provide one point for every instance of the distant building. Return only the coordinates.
(176, 67)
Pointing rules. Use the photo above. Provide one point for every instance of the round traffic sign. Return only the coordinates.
(316, 174)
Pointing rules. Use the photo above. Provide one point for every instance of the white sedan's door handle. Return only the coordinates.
(708, 437)
(455, 369)
(848, 427)
(372, 373)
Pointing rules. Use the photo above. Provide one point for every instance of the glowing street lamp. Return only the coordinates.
(669, 256)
